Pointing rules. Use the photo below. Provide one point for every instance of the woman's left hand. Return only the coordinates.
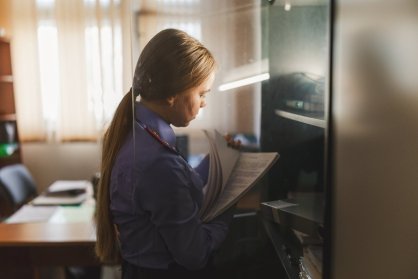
(236, 144)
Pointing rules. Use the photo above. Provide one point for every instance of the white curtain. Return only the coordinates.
(71, 64)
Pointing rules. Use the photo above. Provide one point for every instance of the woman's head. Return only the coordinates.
(183, 108)
(171, 63)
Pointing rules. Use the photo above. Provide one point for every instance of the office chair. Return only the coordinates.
(17, 187)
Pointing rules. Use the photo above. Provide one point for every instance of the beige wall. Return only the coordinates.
(50, 162)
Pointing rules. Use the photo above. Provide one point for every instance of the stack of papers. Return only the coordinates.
(231, 175)
(67, 188)
(64, 192)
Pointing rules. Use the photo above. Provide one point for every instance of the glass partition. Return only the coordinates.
(294, 123)
(233, 31)
(270, 92)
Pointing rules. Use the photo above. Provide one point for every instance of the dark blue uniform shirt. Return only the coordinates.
(155, 198)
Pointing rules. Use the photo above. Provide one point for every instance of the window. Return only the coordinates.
(77, 66)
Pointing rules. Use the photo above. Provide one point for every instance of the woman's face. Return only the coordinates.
(186, 105)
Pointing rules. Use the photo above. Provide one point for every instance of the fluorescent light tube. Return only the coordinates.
(244, 81)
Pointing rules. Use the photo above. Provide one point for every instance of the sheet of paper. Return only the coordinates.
(248, 170)
(222, 162)
(279, 204)
(28, 214)
(228, 157)
(214, 184)
(73, 214)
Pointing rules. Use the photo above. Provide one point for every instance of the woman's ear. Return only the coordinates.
(171, 100)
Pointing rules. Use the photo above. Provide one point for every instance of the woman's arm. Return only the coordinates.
(171, 199)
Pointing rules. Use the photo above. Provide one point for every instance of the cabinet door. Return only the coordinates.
(375, 113)
(5, 58)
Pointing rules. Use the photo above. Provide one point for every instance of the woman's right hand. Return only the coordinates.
(236, 144)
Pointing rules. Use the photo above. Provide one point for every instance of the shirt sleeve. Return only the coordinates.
(171, 201)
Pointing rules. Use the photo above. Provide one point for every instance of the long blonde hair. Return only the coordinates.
(121, 125)
(171, 63)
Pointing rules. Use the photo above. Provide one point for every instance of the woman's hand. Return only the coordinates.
(236, 144)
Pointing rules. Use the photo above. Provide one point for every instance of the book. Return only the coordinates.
(64, 192)
(62, 200)
(67, 188)
(232, 174)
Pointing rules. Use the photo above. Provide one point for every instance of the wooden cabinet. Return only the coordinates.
(9, 137)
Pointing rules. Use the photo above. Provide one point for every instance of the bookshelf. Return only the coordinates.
(9, 138)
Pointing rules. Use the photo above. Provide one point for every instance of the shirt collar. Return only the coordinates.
(153, 121)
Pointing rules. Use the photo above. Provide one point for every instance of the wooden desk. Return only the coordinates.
(65, 239)
(43, 244)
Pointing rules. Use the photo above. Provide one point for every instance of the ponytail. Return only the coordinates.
(107, 244)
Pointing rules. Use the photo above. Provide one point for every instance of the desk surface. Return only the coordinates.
(41, 234)
(65, 238)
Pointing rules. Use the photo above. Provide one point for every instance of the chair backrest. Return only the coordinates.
(17, 185)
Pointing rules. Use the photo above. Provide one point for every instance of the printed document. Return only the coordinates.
(231, 174)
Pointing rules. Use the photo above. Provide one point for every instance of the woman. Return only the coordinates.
(149, 197)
